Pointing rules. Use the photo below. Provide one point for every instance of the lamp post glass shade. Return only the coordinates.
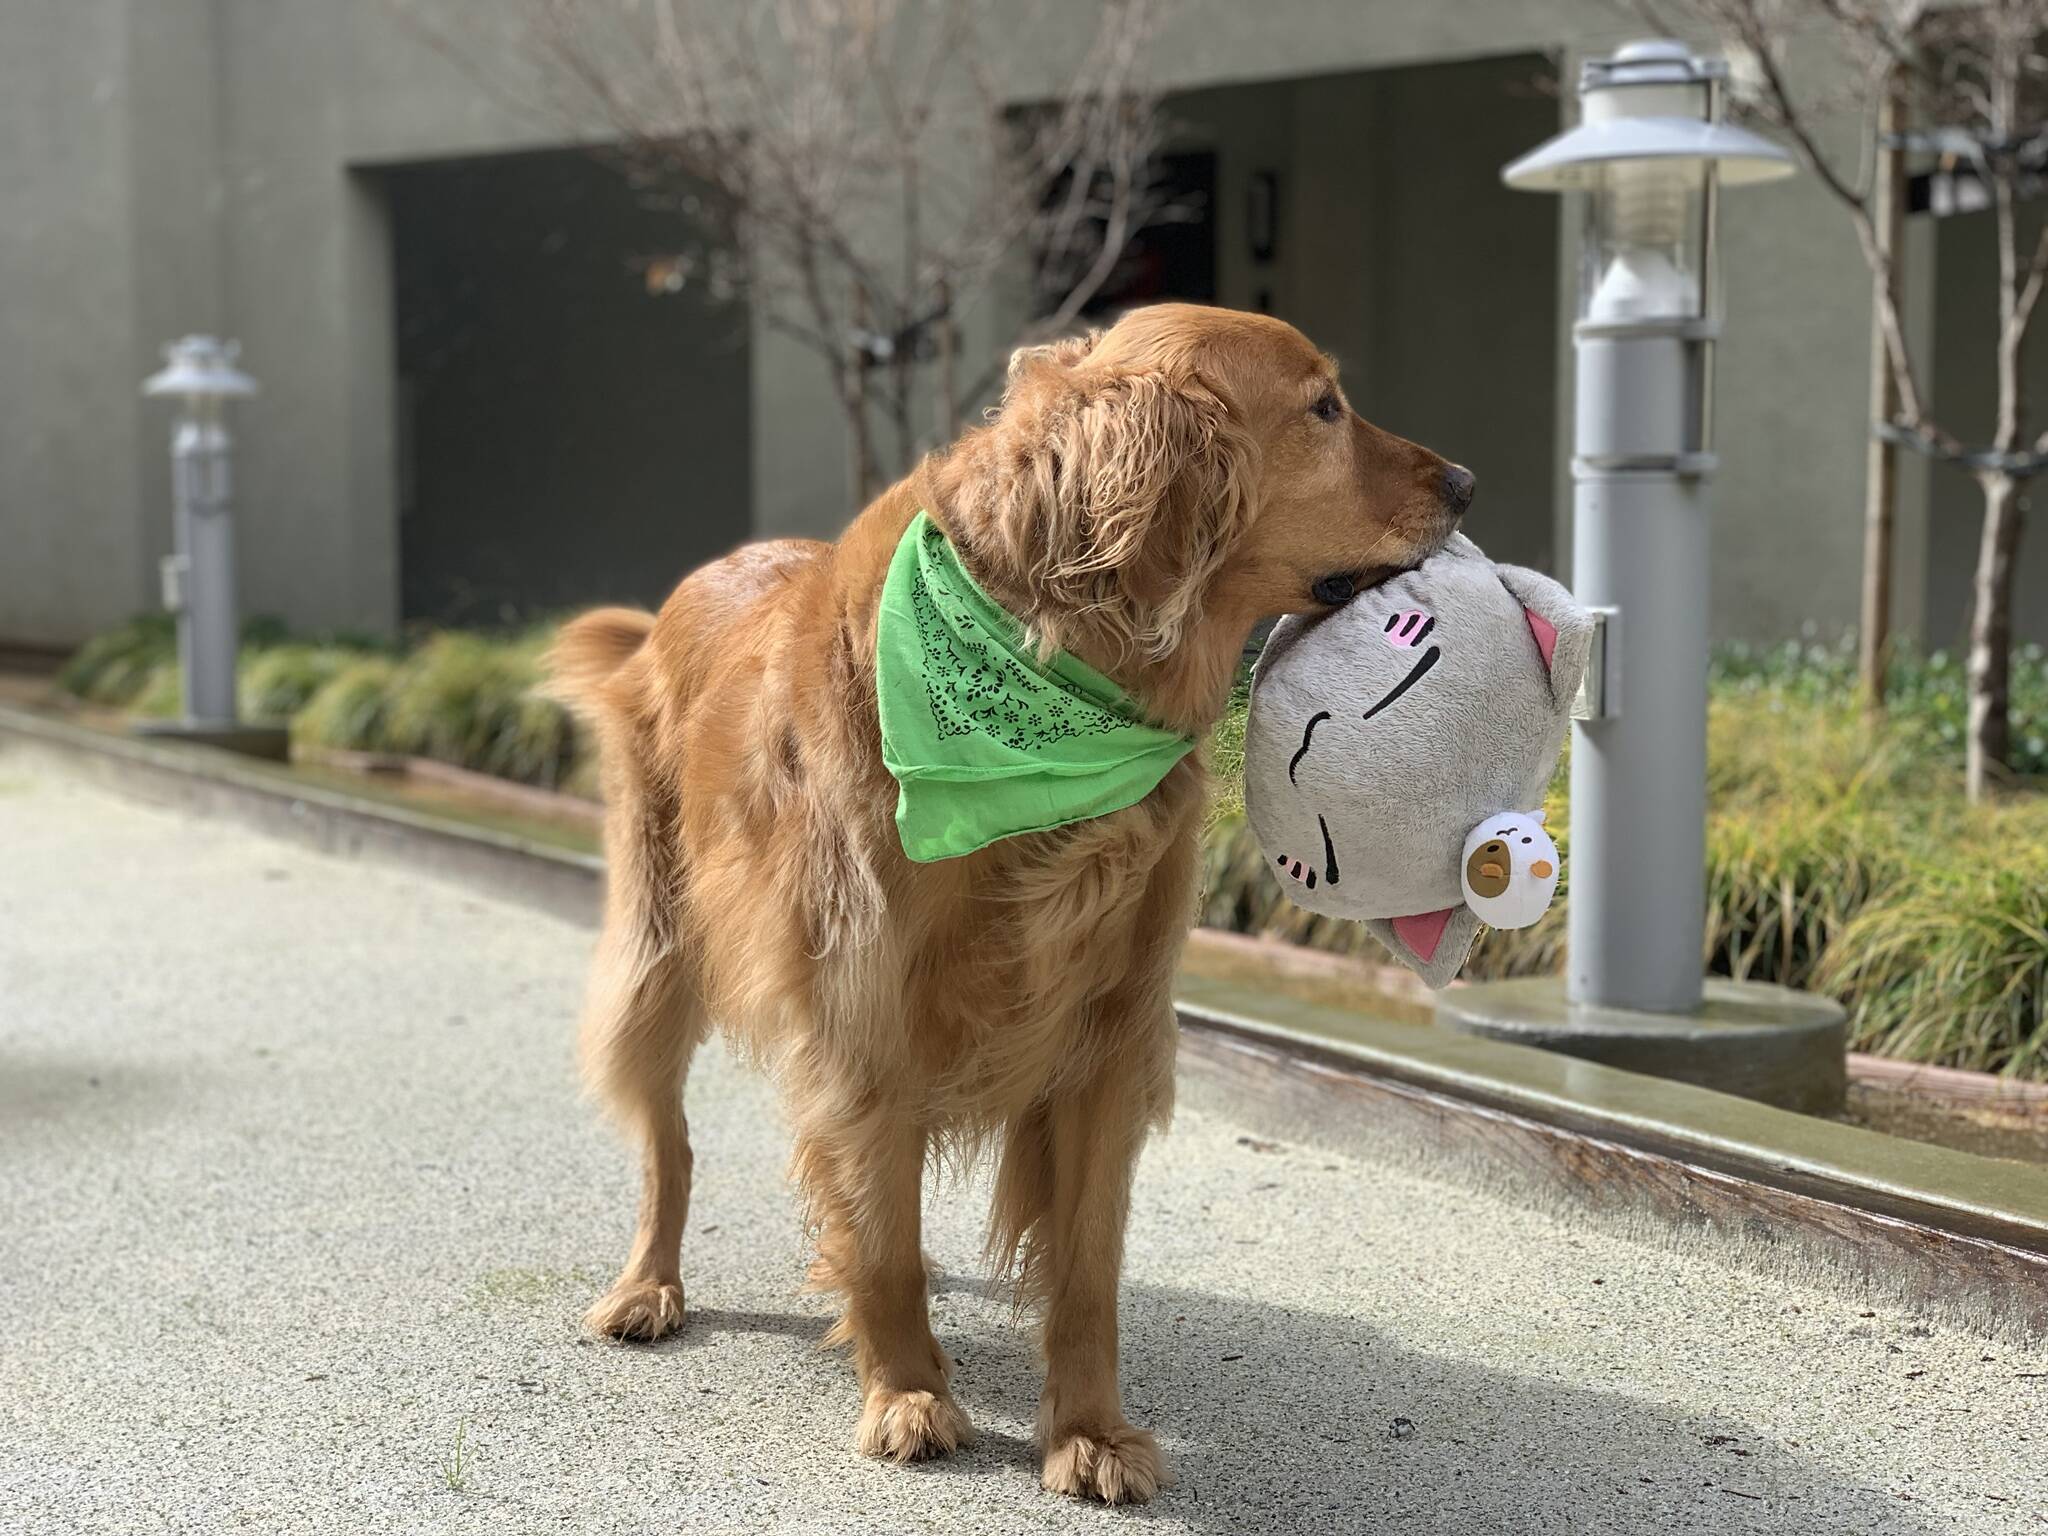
(1643, 251)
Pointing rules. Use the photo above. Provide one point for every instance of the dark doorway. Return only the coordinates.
(574, 415)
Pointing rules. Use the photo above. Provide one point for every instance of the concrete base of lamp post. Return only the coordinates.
(271, 742)
(1749, 1038)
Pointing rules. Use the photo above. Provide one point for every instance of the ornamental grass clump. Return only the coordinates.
(476, 702)
(352, 710)
(162, 695)
(1952, 966)
(114, 668)
(277, 683)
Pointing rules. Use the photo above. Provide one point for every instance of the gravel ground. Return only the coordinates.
(299, 1207)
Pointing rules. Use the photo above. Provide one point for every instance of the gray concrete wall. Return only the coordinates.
(176, 201)
(307, 299)
(72, 557)
(1792, 416)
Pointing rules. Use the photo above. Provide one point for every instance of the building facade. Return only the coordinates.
(478, 406)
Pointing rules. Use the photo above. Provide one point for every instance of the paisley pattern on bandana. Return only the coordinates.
(975, 686)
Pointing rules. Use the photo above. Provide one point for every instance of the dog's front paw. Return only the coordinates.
(1118, 1465)
(636, 1309)
(911, 1426)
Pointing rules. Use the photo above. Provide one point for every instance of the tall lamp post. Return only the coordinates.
(199, 575)
(1650, 157)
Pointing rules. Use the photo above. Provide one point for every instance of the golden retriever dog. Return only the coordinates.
(1140, 498)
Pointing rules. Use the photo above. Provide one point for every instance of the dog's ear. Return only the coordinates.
(1131, 486)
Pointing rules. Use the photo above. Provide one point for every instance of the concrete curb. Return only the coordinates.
(211, 782)
(1945, 1228)
(1856, 1168)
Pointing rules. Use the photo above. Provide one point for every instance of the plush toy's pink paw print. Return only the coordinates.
(1296, 870)
(1409, 628)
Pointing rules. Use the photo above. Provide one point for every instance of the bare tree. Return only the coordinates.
(1881, 464)
(863, 174)
(1962, 83)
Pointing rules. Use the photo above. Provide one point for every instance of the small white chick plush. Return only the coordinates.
(1509, 872)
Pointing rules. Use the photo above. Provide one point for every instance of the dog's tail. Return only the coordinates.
(590, 649)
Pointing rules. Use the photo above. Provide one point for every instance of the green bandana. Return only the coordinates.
(986, 741)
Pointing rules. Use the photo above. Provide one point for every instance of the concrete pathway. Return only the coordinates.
(299, 1206)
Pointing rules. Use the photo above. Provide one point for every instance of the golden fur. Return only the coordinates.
(1141, 498)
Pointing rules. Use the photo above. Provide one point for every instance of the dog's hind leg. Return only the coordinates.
(639, 1033)
(642, 1022)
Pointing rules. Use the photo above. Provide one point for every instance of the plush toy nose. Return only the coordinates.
(1408, 628)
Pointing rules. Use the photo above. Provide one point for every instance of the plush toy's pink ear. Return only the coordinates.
(1434, 945)
(1545, 633)
(1562, 630)
(1422, 932)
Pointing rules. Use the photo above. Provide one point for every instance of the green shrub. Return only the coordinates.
(352, 710)
(135, 667)
(162, 694)
(475, 702)
(276, 684)
(1923, 693)
(114, 668)
(1954, 967)
(1840, 856)
(1226, 759)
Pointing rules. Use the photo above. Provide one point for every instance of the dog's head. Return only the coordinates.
(1145, 494)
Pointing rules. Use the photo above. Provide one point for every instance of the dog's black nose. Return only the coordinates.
(1458, 488)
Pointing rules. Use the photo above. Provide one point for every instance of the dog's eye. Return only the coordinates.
(1327, 407)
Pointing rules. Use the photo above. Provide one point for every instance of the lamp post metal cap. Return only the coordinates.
(1654, 61)
(201, 366)
(1575, 158)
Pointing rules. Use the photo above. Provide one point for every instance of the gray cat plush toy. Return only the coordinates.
(1397, 751)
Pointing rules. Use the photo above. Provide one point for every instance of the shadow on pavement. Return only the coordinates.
(1289, 1421)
